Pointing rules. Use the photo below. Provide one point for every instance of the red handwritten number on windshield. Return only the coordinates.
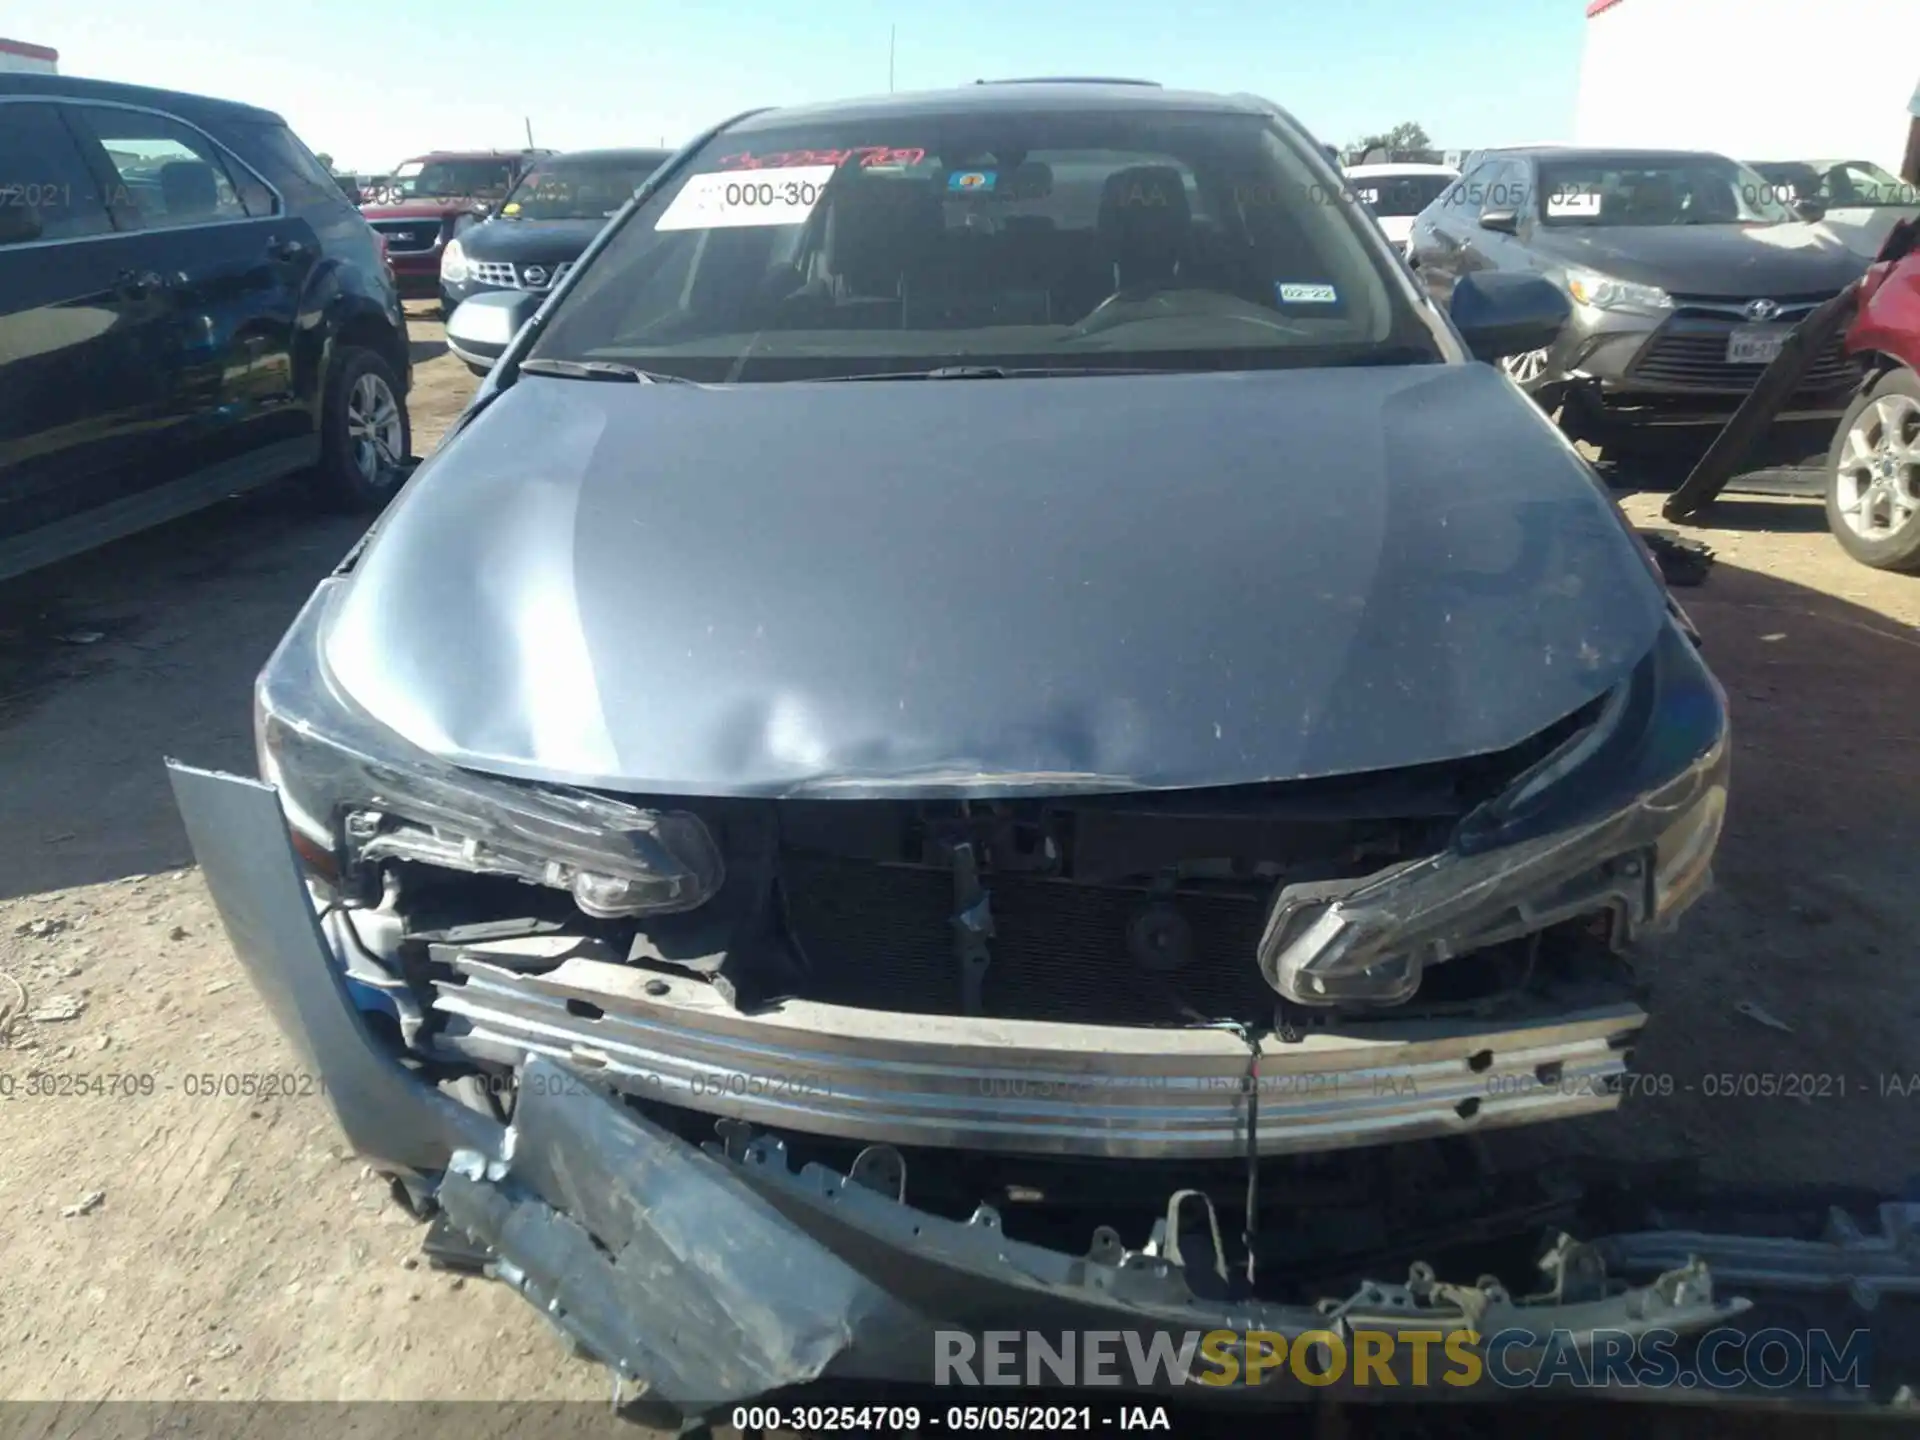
(867, 155)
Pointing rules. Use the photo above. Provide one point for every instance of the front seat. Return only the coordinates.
(1145, 225)
(189, 189)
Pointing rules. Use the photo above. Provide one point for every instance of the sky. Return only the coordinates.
(370, 82)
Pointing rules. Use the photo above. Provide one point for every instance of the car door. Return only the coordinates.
(235, 263)
(82, 384)
(1482, 247)
(1438, 251)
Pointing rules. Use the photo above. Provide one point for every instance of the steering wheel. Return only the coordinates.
(1102, 316)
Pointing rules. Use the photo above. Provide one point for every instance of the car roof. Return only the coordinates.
(987, 97)
(1368, 172)
(178, 102)
(472, 155)
(1625, 156)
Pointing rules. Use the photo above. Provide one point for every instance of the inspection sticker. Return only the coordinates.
(1293, 294)
(964, 182)
(734, 198)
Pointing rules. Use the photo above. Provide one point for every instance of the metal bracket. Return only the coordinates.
(972, 928)
(1166, 1233)
(883, 1170)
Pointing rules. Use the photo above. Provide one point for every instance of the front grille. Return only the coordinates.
(408, 236)
(880, 937)
(515, 277)
(1696, 359)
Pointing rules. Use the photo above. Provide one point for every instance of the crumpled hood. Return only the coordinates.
(986, 586)
(1735, 262)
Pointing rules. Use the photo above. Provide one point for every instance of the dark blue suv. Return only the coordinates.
(189, 307)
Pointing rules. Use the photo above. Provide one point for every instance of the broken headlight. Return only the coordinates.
(355, 791)
(1621, 821)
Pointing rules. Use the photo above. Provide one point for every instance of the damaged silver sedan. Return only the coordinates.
(1232, 726)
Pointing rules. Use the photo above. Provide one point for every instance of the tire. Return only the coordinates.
(1873, 475)
(359, 471)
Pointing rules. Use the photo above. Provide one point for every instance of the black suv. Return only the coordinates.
(189, 307)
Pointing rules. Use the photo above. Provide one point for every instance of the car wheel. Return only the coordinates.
(365, 435)
(1526, 370)
(1873, 475)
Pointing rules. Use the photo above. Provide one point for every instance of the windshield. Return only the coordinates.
(1392, 196)
(1688, 190)
(1169, 240)
(438, 179)
(1839, 183)
(580, 189)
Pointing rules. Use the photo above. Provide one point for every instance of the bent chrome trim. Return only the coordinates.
(1032, 1086)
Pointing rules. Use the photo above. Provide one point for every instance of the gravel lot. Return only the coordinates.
(237, 1251)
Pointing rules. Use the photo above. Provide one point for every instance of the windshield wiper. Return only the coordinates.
(600, 370)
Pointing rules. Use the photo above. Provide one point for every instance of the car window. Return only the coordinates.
(1392, 196)
(1858, 182)
(1684, 190)
(46, 191)
(296, 169)
(454, 179)
(170, 174)
(567, 189)
(1039, 239)
(1468, 194)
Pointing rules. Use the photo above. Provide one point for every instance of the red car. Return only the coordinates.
(1873, 470)
(431, 199)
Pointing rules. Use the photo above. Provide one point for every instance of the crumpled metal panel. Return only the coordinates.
(1108, 583)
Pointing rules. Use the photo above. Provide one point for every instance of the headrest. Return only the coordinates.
(1145, 200)
(188, 187)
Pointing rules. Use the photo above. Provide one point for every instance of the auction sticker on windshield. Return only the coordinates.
(732, 198)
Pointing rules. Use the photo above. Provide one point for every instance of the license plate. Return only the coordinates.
(1756, 344)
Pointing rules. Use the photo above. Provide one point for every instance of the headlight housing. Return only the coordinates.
(1621, 820)
(355, 792)
(1603, 292)
(453, 264)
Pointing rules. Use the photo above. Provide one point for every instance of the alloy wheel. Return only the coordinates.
(1877, 490)
(1525, 369)
(374, 430)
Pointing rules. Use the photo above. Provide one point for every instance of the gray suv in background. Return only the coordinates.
(1685, 273)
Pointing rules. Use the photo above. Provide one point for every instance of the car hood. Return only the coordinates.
(530, 242)
(985, 587)
(1730, 261)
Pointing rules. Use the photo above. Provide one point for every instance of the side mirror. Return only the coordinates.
(480, 329)
(1500, 314)
(1810, 210)
(1507, 222)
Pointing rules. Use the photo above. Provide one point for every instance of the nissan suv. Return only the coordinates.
(189, 307)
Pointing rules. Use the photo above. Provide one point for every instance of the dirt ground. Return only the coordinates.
(166, 1243)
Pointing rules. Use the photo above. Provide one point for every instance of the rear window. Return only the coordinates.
(453, 179)
(1038, 240)
(1391, 196)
